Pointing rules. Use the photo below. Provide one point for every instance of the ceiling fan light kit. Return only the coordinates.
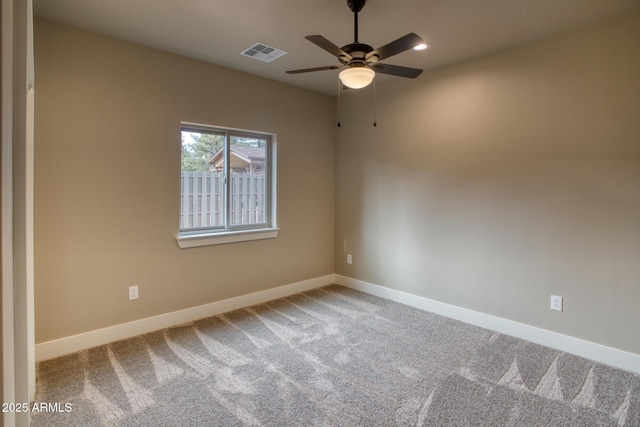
(357, 77)
(359, 61)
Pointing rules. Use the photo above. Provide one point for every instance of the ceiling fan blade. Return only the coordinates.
(400, 45)
(328, 46)
(308, 70)
(396, 70)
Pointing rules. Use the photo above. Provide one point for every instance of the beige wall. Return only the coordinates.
(497, 182)
(107, 189)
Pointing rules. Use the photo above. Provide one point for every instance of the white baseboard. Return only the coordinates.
(579, 347)
(60, 347)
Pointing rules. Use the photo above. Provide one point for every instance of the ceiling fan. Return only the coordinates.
(360, 62)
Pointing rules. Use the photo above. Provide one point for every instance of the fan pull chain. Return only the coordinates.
(339, 102)
(374, 103)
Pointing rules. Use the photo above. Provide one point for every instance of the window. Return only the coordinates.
(226, 186)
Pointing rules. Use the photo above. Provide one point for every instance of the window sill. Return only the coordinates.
(208, 239)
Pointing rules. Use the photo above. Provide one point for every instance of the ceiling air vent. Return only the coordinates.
(263, 52)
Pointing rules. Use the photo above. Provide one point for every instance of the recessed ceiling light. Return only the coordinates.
(421, 46)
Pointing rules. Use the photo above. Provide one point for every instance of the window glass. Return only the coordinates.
(248, 180)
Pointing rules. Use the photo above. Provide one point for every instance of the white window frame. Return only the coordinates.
(235, 233)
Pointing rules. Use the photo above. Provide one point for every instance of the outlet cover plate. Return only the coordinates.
(556, 303)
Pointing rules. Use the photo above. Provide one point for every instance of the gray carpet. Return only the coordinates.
(332, 357)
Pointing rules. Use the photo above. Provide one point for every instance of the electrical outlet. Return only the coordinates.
(556, 303)
(349, 259)
(133, 292)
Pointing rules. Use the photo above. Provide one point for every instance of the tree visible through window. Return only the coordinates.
(225, 180)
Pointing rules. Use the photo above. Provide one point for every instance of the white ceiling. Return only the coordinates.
(217, 31)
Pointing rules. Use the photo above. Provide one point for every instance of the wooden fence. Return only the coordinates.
(203, 201)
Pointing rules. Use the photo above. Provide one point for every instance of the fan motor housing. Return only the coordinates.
(354, 48)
